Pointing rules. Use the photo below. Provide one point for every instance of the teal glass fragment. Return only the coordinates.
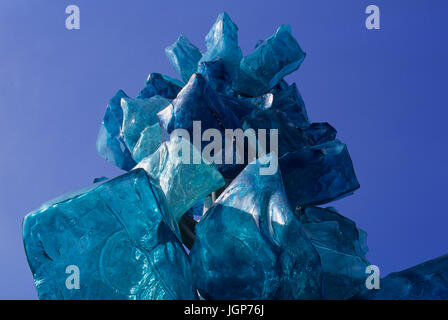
(184, 56)
(222, 42)
(318, 174)
(342, 248)
(110, 142)
(148, 143)
(249, 244)
(426, 281)
(116, 235)
(160, 85)
(273, 59)
(180, 183)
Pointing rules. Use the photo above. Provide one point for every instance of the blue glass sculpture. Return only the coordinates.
(148, 143)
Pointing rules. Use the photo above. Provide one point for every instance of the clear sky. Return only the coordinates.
(383, 90)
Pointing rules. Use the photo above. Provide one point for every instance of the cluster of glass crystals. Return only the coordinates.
(169, 229)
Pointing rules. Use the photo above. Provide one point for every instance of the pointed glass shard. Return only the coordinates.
(249, 244)
(291, 103)
(180, 182)
(110, 142)
(160, 85)
(273, 59)
(217, 74)
(184, 56)
(341, 247)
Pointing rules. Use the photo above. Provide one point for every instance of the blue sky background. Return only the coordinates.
(384, 91)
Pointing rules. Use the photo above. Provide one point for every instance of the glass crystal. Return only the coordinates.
(180, 184)
(217, 74)
(110, 142)
(251, 235)
(222, 42)
(184, 56)
(341, 247)
(160, 85)
(118, 236)
(249, 244)
(318, 174)
(138, 114)
(199, 102)
(273, 59)
(426, 281)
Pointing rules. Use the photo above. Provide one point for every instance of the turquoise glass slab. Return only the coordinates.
(118, 238)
